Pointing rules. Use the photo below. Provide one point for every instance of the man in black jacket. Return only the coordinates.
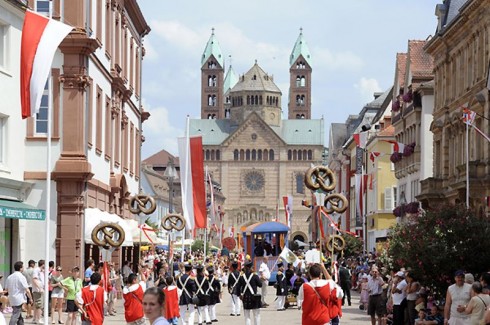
(247, 289)
(345, 282)
(236, 303)
(188, 286)
(281, 287)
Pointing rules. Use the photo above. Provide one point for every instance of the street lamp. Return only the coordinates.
(171, 174)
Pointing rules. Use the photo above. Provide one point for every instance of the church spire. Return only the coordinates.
(213, 49)
(300, 48)
(299, 106)
(212, 78)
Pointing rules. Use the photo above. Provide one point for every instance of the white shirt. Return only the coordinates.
(264, 271)
(38, 275)
(398, 297)
(160, 321)
(92, 288)
(134, 287)
(16, 286)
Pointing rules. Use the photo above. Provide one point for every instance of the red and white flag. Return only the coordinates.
(397, 146)
(231, 232)
(192, 182)
(212, 207)
(359, 186)
(41, 37)
(468, 116)
(373, 155)
(361, 139)
(288, 208)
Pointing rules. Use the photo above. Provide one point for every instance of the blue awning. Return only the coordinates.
(20, 210)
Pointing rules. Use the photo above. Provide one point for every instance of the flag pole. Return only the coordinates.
(48, 191)
(467, 166)
(211, 207)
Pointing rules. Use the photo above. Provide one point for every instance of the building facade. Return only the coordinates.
(256, 156)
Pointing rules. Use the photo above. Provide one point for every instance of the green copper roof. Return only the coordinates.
(230, 80)
(213, 48)
(300, 48)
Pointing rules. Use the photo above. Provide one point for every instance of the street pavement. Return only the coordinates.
(291, 316)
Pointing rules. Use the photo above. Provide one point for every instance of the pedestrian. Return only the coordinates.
(17, 289)
(88, 272)
(281, 287)
(412, 289)
(364, 292)
(57, 294)
(28, 274)
(154, 306)
(214, 291)
(172, 296)
(477, 306)
(264, 275)
(345, 282)
(375, 302)
(91, 300)
(399, 298)
(38, 290)
(247, 289)
(458, 295)
(133, 299)
(236, 303)
(188, 286)
(72, 285)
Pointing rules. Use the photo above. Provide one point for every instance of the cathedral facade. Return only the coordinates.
(257, 156)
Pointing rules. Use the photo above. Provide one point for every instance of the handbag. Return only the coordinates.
(195, 300)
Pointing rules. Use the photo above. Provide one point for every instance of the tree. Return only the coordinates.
(198, 245)
(437, 243)
(353, 245)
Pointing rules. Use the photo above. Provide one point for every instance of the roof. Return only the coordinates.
(420, 62)
(213, 49)
(160, 158)
(256, 80)
(300, 48)
(338, 135)
(401, 68)
(388, 131)
(231, 80)
(292, 132)
(266, 227)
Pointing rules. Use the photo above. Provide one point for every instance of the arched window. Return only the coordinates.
(227, 113)
(212, 155)
(252, 100)
(235, 154)
(277, 101)
(304, 154)
(214, 100)
(245, 216)
(298, 81)
(207, 155)
(298, 100)
(295, 155)
(310, 155)
(298, 116)
(242, 154)
(271, 154)
(218, 155)
(256, 100)
(239, 218)
(259, 154)
(290, 155)
(210, 100)
(210, 116)
(303, 81)
(302, 116)
(300, 155)
(254, 154)
(210, 81)
(215, 81)
(247, 154)
(248, 100)
(267, 100)
(266, 154)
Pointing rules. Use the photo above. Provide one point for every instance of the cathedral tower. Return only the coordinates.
(212, 75)
(299, 106)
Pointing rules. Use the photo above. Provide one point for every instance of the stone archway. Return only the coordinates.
(299, 235)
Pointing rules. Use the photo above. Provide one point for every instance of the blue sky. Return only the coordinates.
(353, 46)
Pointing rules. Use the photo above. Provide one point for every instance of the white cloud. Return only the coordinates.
(367, 87)
(150, 52)
(336, 61)
(160, 133)
(176, 33)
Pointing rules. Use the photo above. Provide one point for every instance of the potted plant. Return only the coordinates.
(408, 96)
(409, 149)
(395, 106)
(396, 157)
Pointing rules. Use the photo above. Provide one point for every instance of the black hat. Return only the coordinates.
(234, 264)
(249, 263)
(280, 264)
(199, 267)
(210, 270)
(188, 267)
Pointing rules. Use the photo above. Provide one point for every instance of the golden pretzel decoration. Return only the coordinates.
(108, 234)
(336, 243)
(138, 203)
(338, 203)
(320, 177)
(173, 221)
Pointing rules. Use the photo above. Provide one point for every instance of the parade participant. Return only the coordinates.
(57, 294)
(91, 300)
(264, 275)
(172, 295)
(315, 297)
(236, 303)
(247, 289)
(188, 286)
(154, 306)
(133, 299)
(202, 295)
(345, 282)
(72, 285)
(457, 295)
(281, 287)
(38, 290)
(214, 291)
(17, 289)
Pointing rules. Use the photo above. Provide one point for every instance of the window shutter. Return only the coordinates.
(388, 198)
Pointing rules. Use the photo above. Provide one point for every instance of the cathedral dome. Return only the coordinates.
(256, 80)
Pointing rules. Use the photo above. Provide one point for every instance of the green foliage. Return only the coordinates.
(353, 245)
(152, 224)
(437, 243)
(199, 245)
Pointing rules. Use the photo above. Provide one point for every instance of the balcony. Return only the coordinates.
(431, 188)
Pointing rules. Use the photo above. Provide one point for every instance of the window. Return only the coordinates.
(98, 121)
(235, 154)
(300, 183)
(271, 154)
(42, 6)
(42, 116)
(4, 45)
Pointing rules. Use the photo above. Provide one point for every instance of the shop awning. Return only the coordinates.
(95, 216)
(20, 210)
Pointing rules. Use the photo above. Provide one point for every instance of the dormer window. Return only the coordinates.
(254, 77)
